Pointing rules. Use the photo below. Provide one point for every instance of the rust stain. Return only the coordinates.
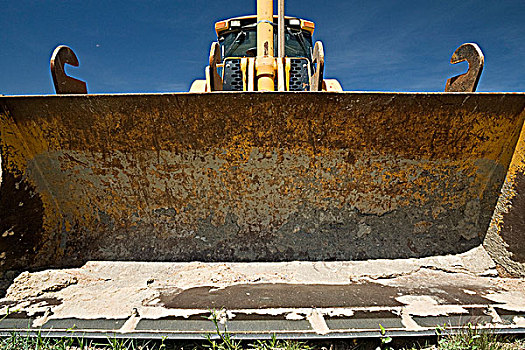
(506, 230)
(467, 82)
(513, 227)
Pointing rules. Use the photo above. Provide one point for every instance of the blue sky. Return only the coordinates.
(162, 46)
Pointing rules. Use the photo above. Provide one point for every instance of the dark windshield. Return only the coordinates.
(243, 43)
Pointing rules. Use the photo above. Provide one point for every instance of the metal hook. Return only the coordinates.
(65, 84)
(467, 82)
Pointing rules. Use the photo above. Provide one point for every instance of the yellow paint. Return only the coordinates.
(265, 65)
(24, 141)
(517, 166)
(288, 66)
(244, 64)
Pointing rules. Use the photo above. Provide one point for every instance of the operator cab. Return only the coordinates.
(238, 37)
(237, 40)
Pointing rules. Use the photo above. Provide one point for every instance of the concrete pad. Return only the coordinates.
(295, 299)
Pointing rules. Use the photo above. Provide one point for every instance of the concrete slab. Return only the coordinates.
(257, 300)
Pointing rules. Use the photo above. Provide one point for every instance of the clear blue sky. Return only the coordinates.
(162, 46)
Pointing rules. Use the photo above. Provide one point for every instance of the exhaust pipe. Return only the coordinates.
(280, 14)
(265, 62)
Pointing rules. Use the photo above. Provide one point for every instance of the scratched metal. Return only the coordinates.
(250, 177)
(64, 84)
(468, 81)
(506, 235)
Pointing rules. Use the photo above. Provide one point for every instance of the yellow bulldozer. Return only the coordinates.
(307, 212)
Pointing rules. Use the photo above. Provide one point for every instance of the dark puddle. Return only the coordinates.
(282, 295)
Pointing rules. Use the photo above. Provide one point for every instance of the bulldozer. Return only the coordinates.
(265, 197)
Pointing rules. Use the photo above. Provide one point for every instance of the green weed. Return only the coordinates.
(226, 342)
(472, 337)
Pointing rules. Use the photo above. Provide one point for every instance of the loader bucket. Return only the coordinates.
(257, 176)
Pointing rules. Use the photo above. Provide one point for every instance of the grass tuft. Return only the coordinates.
(472, 337)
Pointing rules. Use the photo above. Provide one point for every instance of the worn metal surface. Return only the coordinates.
(257, 300)
(65, 84)
(506, 235)
(215, 58)
(251, 177)
(318, 61)
(468, 81)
